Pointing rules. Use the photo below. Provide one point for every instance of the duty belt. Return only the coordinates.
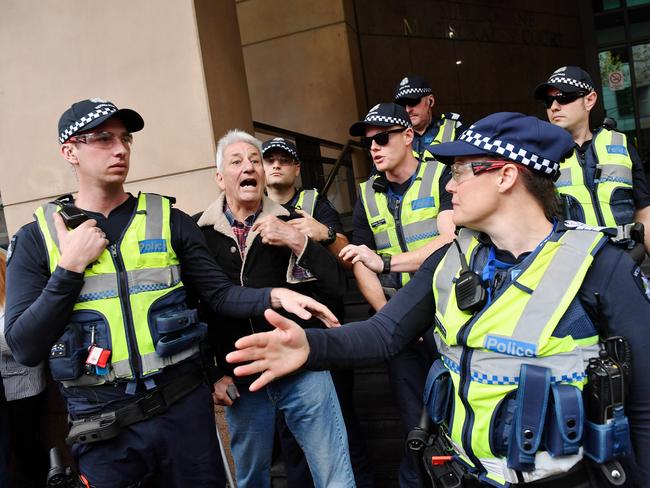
(107, 425)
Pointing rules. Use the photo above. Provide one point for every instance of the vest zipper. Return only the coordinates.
(593, 193)
(123, 291)
(465, 360)
(398, 224)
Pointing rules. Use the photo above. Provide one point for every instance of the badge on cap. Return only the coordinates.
(405, 81)
(98, 100)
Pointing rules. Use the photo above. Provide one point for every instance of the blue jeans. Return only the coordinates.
(311, 409)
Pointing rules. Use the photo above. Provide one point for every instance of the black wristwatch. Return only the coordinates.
(331, 236)
(386, 259)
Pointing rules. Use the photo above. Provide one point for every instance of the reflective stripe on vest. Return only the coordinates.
(152, 273)
(418, 212)
(515, 328)
(613, 171)
(446, 133)
(307, 201)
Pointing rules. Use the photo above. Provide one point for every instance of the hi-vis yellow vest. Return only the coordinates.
(307, 201)
(416, 223)
(484, 353)
(446, 133)
(127, 281)
(613, 168)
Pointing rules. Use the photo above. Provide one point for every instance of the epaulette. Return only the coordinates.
(451, 116)
(573, 224)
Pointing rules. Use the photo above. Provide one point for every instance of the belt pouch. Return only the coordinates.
(68, 355)
(565, 420)
(606, 441)
(437, 392)
(527, 427)
(176, 321)
(176, 342)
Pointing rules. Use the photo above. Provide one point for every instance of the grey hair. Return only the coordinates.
(231, 137)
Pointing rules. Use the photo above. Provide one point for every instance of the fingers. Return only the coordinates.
(278, 321)
(264, 379)
(59, 225)
(325, 315)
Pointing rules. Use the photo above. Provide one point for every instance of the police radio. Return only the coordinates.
(471, 295)
(606, 386)
(72, 216)
(380, 184)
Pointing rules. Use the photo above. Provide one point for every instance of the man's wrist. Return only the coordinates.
(386, 259)
(331, 237)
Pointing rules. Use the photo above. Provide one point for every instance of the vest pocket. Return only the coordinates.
(437, 392)
(622, 206)
(67, 356)
(501, 425)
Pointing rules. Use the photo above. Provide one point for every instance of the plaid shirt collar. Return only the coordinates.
(240, 229)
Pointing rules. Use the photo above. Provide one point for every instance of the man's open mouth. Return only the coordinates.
(248, 182)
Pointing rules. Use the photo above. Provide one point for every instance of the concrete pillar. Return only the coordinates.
(177, 62)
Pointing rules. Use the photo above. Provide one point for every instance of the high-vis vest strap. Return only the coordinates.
(415, 223)
(609, 158)
(484, 352)
(307, 201)
(131, 280)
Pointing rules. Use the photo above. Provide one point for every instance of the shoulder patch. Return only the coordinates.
(642, 281)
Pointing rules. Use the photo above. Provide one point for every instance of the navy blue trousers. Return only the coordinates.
(176, 449)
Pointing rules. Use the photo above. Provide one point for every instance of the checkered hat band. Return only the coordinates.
(412, 91)
(570, 81)
(85, 120)
(282, 146)
(370, 118)
(511, 152)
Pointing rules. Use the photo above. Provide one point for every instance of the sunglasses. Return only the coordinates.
(478, 167)
(103, 140)
(409, 102)
(563, 98)
(380, 138)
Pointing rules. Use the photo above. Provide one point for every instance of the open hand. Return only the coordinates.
(302, 306)
(274, 354)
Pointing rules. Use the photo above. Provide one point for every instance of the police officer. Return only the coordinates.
(97, 284)
(404, 207)
(521, 302)
(415, 95)
(320, 222)
(603, 183)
